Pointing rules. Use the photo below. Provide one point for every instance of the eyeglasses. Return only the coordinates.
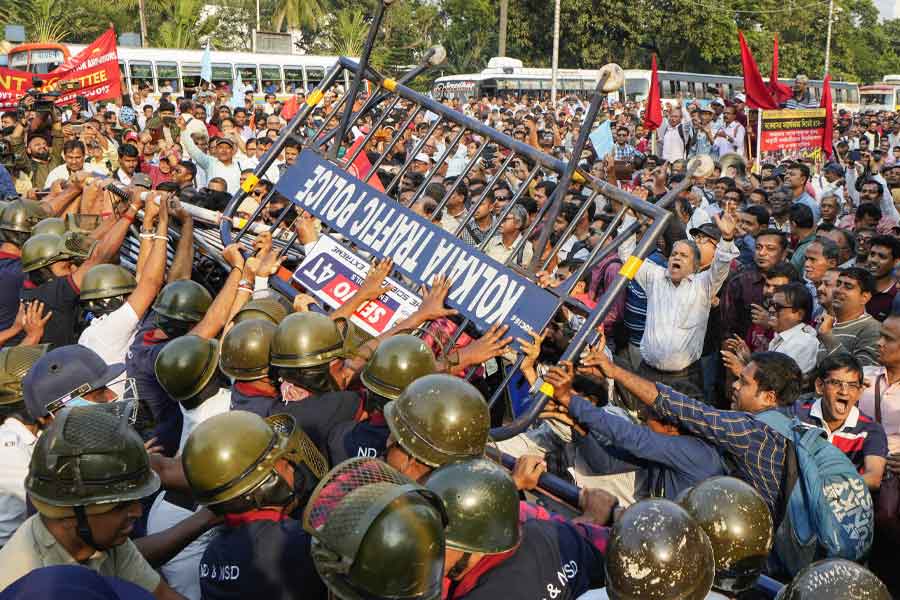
(851, 386)
(777, 307)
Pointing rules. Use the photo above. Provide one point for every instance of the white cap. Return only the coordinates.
(422, 157)
(740, 97)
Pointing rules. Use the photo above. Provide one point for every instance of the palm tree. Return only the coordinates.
(44, 20)
(297, 14)
(347, 34)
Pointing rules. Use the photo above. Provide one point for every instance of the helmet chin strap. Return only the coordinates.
(84, 528)
(459, 566)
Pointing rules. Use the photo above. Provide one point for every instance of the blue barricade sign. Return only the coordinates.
(483, 289)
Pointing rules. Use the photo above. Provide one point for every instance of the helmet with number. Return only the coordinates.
(19, 218)
(186, 366)
(43, 250)
(482, 504)
(438, 419)
(376, 534)
(15, 361)
(834, 579)
(397, 362)
(54, 225)
(229, 462)
(106, 281)
(305, 340)
(245, 350)
(737, 522)
(657, 551)
(180, 305)
(269, 309)
(88, 461)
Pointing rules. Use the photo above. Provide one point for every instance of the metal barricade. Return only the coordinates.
(317, 128)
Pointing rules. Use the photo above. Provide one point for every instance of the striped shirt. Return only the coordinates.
(858, 337)
(860, 436)
(757, 451)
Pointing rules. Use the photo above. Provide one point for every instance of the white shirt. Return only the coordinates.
(123, 177)
(111, 335)
(218, 404)
(800, 343)
(677, 314)
(61, 172)
(736, 132)
(16, 447)
(499, 252)
(182, 572)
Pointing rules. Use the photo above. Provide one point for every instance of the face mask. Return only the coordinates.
(40, 155)
(173, 328)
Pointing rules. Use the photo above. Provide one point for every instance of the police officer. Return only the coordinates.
(88, 472)
(397, 362)
(307, 351)
(267, 308)
(183, 306)
(437, 419)
(657, 551)
(738, 523)
(18, 433)
(16, 222)
(255, 471)
(492, 554)
(834, 579)
(188, 370)
(245, 358)
(54, 225)
(377, 534)
(112, 302)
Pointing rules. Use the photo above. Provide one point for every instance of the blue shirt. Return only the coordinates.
(673, 462)
(636, 304)
(757, 452)
(11, 281)
(7, 187)
(809, 201)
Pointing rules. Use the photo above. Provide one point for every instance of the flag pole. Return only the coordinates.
(759, 120)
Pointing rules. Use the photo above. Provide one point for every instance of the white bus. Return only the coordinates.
(507, 75)
(178, 69)
(881, 96)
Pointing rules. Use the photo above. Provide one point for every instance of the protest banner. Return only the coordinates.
(483, 290)
(92, 73)
(791, 134)
(333, 274)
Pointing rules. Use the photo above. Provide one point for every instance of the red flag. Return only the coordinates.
(653, 114)
(778, 90)
(755, 89)
(362, 166)
(828, 138)
(290, 107)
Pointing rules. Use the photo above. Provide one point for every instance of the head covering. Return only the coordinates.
(72, 581)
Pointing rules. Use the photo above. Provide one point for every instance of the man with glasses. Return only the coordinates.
(624, 150)
(789, 310)
(839, 387)
(851, 329)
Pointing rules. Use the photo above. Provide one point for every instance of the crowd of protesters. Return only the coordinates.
(772, 290)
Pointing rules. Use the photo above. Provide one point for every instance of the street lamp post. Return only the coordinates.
(555, 65)
(828, 36)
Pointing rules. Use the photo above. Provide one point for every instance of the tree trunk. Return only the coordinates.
(143, 15)
(504, 9)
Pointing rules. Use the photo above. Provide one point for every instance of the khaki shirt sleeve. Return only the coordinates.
(131, 566)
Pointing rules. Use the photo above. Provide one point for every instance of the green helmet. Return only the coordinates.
(738, 523)
(53, 225)
(183, 300)
(482, 504)
(269, 309)
(91, 459)
(439, 418)
(245, 350)
(19, 218)
(834, 579)
(376, 533)
(186, 365)
(657, 551)
(397, 362)
(15, 361)
(229, 461)
(306, 339)
(47, 248)
(107, 281)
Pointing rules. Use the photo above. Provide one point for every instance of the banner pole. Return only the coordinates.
(759, 120)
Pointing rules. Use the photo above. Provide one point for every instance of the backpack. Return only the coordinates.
(828, 511)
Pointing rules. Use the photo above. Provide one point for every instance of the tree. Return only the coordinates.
(297, 14)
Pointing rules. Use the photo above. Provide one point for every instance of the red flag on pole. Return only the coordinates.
(778, 90)
(290, 107)
(755, 89)
(828, 138)
(653, 114)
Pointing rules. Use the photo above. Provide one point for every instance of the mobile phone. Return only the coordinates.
(855, 155)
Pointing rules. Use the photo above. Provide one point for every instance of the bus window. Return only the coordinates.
(141, 74)
(167, 77)
(637, 88)
(271, 75)
(222, 74)
(853, 95)
(123, 76)
(314, 76)
(248, 76)
(293, 79)
(190, 76)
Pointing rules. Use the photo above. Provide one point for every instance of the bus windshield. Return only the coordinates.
(39, 61)
(636, 88)
(876, 98)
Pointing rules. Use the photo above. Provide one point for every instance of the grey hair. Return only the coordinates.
(519, 213)
(695, 249)
(830, 249)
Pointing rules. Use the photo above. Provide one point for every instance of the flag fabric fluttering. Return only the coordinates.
(653, 115)
(290, 107)
(758, 95)
(206, 65)
(779, 91)
(237, 91)
(828, 138)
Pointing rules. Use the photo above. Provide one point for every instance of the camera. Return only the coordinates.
(42, 102)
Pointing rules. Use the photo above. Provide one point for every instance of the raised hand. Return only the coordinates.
(432, 306)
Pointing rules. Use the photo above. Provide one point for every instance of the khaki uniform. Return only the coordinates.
(33, 547)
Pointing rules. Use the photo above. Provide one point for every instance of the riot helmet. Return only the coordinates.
(268, 309)
(303, 348)
(186, 369)
(19, 218)
(15, 361)
(181, 305)
(834, 579)
(41, 251)
(397, 362)
(245, 350)
(104, 289)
